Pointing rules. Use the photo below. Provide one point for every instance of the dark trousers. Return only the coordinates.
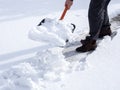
(98, 16)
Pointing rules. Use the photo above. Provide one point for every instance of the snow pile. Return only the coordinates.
(19, 77)
(51, 63)
(47, 65)
(54, 32)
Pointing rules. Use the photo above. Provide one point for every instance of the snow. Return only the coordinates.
(52, 32)
(33, 57)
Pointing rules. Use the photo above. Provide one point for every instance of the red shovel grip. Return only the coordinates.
(64, 12)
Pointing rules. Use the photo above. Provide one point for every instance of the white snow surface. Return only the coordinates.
(32, 58)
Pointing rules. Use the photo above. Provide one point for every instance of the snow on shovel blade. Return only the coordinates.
(43, 21)
(52, 31)
(49, 21)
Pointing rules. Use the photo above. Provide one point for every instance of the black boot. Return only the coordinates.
(87, 45)
(105, 31)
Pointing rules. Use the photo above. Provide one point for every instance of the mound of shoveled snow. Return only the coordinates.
(47, 65)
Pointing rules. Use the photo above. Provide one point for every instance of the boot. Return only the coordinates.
(105, 31)
(87, 45)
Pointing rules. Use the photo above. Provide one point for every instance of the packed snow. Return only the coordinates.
(36, 57)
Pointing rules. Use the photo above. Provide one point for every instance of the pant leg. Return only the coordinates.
(106, 22)
(96, 17)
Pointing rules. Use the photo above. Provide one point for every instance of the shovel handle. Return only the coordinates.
(64, 12)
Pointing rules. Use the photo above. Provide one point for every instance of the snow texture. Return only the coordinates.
(50, 65)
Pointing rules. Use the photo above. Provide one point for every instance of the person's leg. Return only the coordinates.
(96, 17)
(105, 29)
(106, 22)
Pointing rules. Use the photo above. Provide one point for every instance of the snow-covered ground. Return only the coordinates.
(32, 58)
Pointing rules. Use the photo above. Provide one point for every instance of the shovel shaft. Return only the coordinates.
(63, 14)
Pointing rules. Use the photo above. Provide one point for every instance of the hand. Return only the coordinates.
(68, 3)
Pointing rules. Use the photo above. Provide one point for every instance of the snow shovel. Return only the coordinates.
(61, 18)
